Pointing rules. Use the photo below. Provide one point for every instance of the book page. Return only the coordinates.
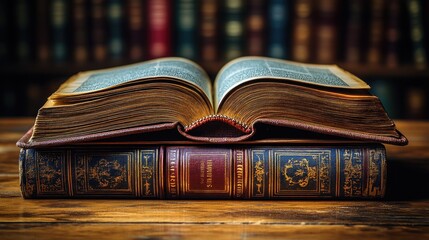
(173, 68)
(246, 69)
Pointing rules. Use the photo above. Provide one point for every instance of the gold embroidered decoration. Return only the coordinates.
(147, 175)
(298, 172)
(51, 173)
(259, 173)
(107, 174)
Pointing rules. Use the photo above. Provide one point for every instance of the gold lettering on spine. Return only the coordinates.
(172, 173)
(202, 172)
(209, 171)
(206, 173)
(352, 173)
(239, 173)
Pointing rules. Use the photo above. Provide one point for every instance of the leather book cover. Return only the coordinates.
(251, 171)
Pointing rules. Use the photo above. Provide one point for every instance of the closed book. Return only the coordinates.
(250, 96)
(255, 27)
(159, 28)
(60, 18)
(209, 31)
(303, 30)
(124, 170)
(115, 17)
(278, 28)
(186, 25)
(80, 21)
(98, 36)
(233, 29)
(136, 22)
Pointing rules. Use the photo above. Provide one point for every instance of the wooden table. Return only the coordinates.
(404, 214)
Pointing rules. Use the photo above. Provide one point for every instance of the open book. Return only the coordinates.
(175, 93)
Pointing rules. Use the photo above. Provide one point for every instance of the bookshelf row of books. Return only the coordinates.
(381, 32)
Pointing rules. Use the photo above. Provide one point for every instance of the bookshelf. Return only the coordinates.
(383, 42)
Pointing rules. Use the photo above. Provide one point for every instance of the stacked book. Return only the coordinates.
(263, 129)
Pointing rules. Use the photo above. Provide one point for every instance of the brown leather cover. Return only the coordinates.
(221, 132)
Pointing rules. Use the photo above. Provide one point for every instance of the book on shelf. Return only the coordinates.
(417, 33)
(354, 28)
(233, 28)
(98, 30)
(302, 33)
(278, 23)
(42, 38)
(248, 94)
(326, 31)
(159, 28)
(393, 34)
(376, 32)
(186, 24)
(255, 27)
(209, 31)
(23, 44)
(115, 15)
(136, 22)
(80, 27)
(59, 30)
(127, 170)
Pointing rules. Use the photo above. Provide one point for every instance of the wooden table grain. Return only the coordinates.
(404, 214)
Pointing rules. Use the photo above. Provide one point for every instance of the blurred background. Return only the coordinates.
(384, 42)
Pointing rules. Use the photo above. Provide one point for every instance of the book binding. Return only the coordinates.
(210, 172)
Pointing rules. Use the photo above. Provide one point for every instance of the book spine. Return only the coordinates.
(302, 30)
(22, 18)
(255, 28)
(209, 31)
(90, 173)
(136, 27)
(43, 51)
(417, 33)
(115, 26)
(393, 34)
(205, 172)
(186, 29)
(98, 30)
(59, 24)
(80, 31)
(233, 29)
(376, 32)
(277, 24)
(326, 31)
(353, 38)
(159, 28)
(276, 172)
